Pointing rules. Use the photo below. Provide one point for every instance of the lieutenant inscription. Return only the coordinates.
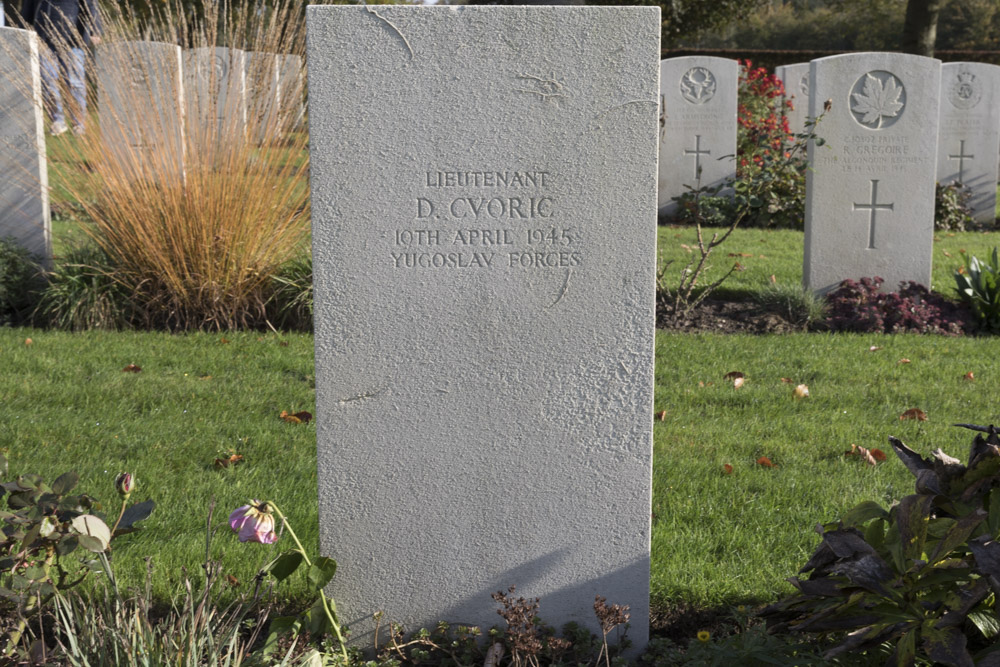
(486, 219)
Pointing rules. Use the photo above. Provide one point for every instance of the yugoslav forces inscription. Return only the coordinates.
(486, 219)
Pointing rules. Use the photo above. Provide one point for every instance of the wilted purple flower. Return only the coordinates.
(254, 523)
(124, 483)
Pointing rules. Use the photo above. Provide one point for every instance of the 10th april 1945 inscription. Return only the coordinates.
(486, 219)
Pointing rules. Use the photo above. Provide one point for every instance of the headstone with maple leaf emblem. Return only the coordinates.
(484, 247)
(969, 135)
(870, 186)
(24, 200)
(697, 125)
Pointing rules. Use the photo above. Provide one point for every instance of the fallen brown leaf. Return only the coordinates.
(663, 415)
(740, 254)
(969, 376)
(874, 348)
(727, 469)
(296, 418)
(914, 413)
(774, 280)
(283, 343)
(232, 459)
(233, 581)
(737, 383)
(766, 462)
(802, 391)
(131, 368)
(903, 361)
(28, 341)
(787, 380)
(946, 253)
(224, 341)
(733, 374)
(869, 456)
(686, 247)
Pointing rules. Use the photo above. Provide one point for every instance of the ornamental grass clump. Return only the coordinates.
(922, 577)
(195, 180)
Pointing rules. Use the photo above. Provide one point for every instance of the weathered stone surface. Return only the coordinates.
(796, 80)
(697, 125)
(483, 206)
(870, 189)
(24, 184)
(215, 93)
(969, 133)
(142, 109)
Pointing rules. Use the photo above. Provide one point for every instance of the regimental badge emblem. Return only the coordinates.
(698, 85)
(216, 67)
(877, 100)
(965, 91)
(804, 84)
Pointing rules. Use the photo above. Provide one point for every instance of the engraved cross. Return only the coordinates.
(697, 153)
(961, 157)
(872, 207)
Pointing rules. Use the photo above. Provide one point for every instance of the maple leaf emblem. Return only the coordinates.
(877, 100)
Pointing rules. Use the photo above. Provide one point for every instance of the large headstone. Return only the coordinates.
(969, 133)
(484, 232)
(142, 109)
(870, 188)
(24, 186)
(215, 93)
(795, 79)
(697, 125)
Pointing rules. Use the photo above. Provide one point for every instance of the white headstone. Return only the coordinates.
(969, 133)
(697, 125)
(796, 81)
(262, 94)
(870, 188)
(215, 94)
(291, 89)
(483, 206)
(142, 109)
(24, 185)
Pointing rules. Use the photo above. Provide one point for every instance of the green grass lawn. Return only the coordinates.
(66, 404)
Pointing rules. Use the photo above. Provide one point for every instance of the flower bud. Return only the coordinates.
(124, 483)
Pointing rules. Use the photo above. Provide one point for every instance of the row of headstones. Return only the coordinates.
(142, 88)
(897, 125)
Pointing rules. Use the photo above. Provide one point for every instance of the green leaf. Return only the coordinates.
(134, 515)
(863, 513)
(906, 649)
(65, 483)
(284, 565)
(986, 621)
(278, 627)
(67, 545)
(315, 621)
(958, 534)
(993, 520)
(912, 515)
(322, 572)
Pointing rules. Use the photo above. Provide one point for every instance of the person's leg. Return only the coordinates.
(49, 66)
(76, 77)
